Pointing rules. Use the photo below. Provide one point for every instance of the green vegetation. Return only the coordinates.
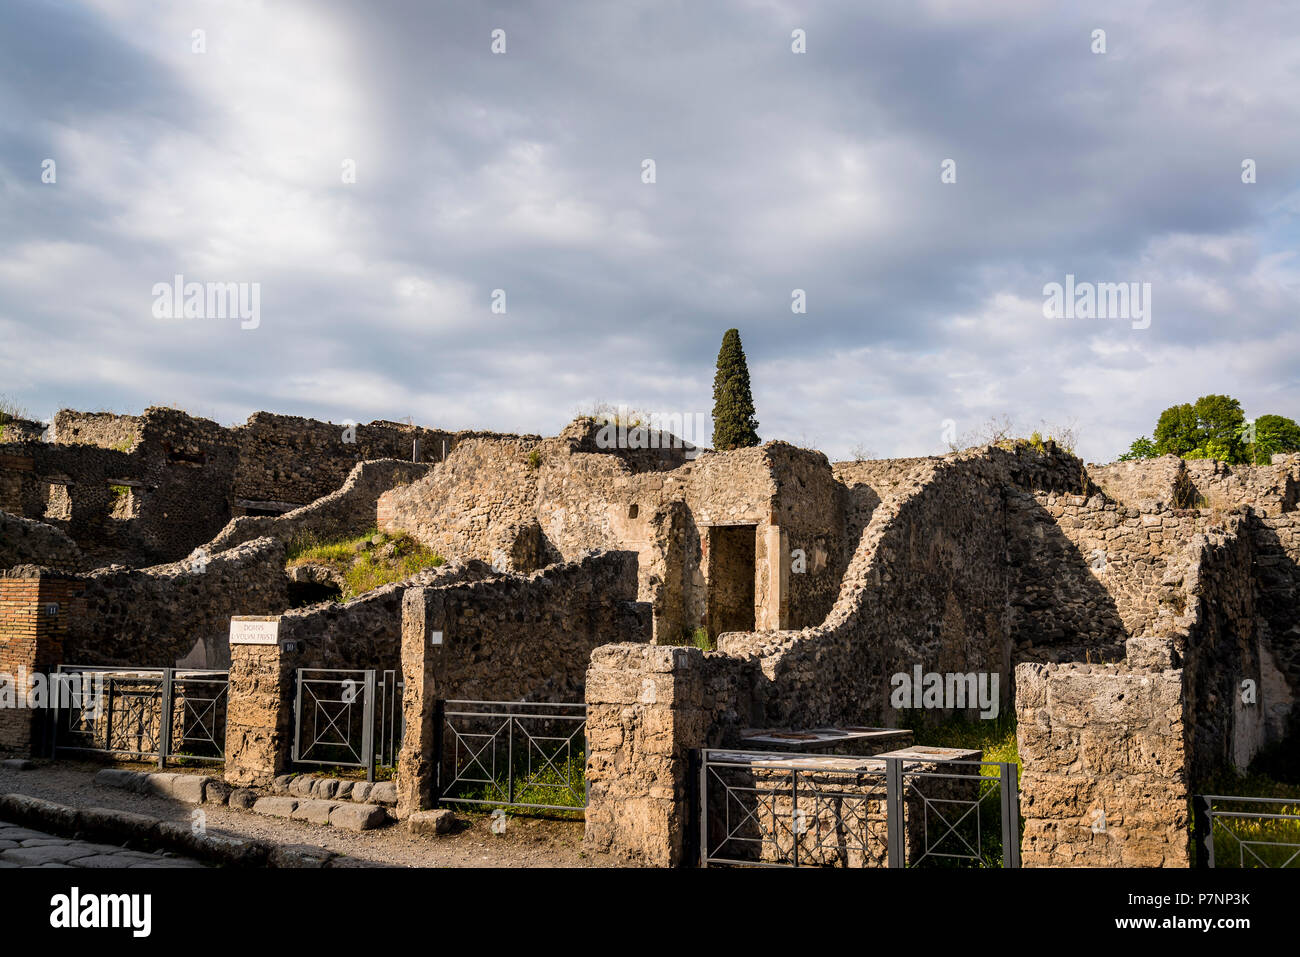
(1214, 427)
(121, 491)
(534, 459)
(366, 563)
(697, 637)
(545, 785)
(1275, 773)
(734, 424)
(996, 737)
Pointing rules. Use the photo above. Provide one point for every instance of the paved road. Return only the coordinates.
(23, 847)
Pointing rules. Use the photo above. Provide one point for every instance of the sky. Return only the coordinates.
(444, 212)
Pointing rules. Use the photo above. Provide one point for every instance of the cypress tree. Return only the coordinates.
(734, 425)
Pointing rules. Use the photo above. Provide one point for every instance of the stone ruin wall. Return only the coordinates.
(365, 632)
(928, 585)
(25, 541)
(1202, 483)
(139, 490)
(348, 512)
(155, 616)
(1090, 573)
(522, 504)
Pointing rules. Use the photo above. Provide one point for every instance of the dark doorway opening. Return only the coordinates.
(731, 578)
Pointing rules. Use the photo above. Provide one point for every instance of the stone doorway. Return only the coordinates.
(732, 553)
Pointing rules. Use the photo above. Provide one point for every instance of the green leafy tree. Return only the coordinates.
(1220, 419)
(1272, 435)
(734, 424)
(1176, 430)
(1142, 448)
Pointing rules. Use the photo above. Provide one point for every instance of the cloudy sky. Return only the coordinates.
(523, 171)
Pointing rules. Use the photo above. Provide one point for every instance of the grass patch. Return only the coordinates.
(545, 786)
(698, 637)
(1241, 842)
(367, 562)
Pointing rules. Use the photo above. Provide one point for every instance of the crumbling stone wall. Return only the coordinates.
(1146, 483)
(139, 490)
(345, 513)
(1171, 482)
(928, 585)
(1090, 573)
(27, 542)
(154, 616)
(1276, 546)
(1268, 489)
(522, 503)
(105, 430)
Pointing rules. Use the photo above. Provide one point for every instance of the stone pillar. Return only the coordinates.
(1105, 766)
(423, 624)
(644, 717)
(259, 714)
(34, 612)
(774, 587)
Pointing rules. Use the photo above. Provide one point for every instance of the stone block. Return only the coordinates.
(358, 817)
(431, 823)
(313, 811)
(276, 806)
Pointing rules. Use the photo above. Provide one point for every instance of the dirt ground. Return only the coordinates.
(528, 841)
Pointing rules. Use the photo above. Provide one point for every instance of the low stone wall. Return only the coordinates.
(345, 513)
(155, 616)
(1105, 780)
(507, 639)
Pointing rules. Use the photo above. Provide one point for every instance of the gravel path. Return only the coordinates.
(527, 841)
(24, 847)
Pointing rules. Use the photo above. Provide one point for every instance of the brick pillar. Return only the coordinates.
(259, 714)
(423, 624)
(644, 717)
(34, 612)
(1105, 766)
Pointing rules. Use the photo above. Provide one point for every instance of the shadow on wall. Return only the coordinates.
(1060, 606)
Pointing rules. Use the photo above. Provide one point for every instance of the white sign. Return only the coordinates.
(250, 630)
(437, 638)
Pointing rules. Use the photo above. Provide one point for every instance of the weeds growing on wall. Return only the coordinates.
(367, 562)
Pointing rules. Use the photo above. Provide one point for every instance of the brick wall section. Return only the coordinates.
(31, 641)
(1099, 740)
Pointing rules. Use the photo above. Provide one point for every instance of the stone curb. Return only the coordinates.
(109, 825)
